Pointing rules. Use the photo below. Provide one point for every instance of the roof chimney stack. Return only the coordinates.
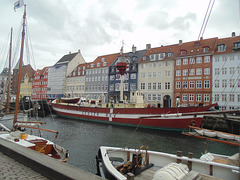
(180, 42)
(69, 52)
(78, 50)
(148, 46)
(134, 48)
(233, 34)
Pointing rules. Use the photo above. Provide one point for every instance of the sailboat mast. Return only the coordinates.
(19, 70)
(9, 73)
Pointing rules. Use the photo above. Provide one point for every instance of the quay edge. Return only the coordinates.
(47, 166)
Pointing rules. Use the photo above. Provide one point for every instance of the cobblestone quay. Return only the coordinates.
(17, 162)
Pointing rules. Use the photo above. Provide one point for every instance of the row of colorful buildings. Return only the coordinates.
(183, 74)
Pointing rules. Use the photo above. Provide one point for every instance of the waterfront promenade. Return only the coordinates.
(17, 162)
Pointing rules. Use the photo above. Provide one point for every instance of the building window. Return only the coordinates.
(167, 85)
(133, 76)
(159, 97)
(216, 83)
(216, 97)
(191, 97)
(149, 97)
(149, 85)
(192, 72)
(205, 49)
(133, 86)
(232, 70)
(191, 84)
(232, 82)
(154, 74)
(184, 97)
(154, 97)
(206, 71)
(224, 83)
(117, 87)
(111, 87)
(199, 84)
(142, 86)
(220, 47)
(199, 60)
(154, 85)
(199, 98)
(217, 71)
(192, 61)
(199, 71)
(183, 52)
(206, 59)
(185, 61)
(224, 97)
(178, 85)
(207, 84)
(178, 73)
(167, 73)
(149, 74)
(143, 75)
(224, 71)
(185, 84)
(206, 97)
(168, 63)
(178, 62)
(159, 85)
(185, 72)
(231, 97)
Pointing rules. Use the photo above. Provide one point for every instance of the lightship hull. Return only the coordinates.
(168, 118)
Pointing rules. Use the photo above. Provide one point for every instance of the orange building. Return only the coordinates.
(193, 73)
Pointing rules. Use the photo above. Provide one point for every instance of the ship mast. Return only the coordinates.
(19, 70)
(9, 73)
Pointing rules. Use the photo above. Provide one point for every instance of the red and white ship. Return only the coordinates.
(132, 113)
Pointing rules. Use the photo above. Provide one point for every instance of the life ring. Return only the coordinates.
(137, 161)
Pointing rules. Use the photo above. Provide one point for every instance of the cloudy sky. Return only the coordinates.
(97, 27)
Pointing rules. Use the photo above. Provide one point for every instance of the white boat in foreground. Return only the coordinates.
(36, 143)
(122, 163)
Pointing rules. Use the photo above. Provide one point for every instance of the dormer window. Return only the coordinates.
(183, 52)
(145, 58)
(98, 64)
(221, 47)
(92, 65)
(169, 54)
(236, 45)
(206, 49)
(197, 44)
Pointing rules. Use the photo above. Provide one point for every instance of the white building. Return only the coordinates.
(57, 74)
(226, 73)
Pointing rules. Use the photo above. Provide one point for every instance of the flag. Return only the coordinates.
(18, 4)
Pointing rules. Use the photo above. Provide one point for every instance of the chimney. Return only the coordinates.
(69, 52)
(180, 42)
(201, 38)
(78, 50)
(233, 34)
(148, 46)
(134, 48)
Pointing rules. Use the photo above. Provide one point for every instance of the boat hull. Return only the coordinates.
(157, 118)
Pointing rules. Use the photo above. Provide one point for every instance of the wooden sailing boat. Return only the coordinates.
(30, 141)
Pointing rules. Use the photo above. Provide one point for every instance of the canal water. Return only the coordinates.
(83, 140)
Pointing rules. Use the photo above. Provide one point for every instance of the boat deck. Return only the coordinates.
(147, 174)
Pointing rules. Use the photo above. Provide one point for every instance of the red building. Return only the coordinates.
(193, 73)
(39, 85)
